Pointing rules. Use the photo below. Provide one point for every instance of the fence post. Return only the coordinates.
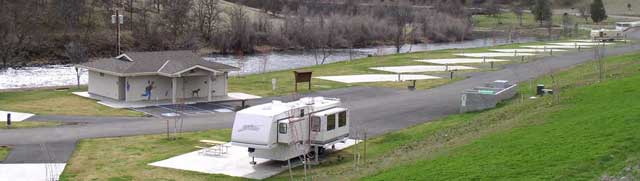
(365, 146)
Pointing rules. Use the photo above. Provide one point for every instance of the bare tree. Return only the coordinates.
(129, 7)
(176, 19)
(208, 18)
(76, 53)
(70, 12)
(17, 29)
(331, 36)
(242, 33)
(493, 10)
(518, 9)
(437, 26)
(39, 29)
(400, 15)
(584, 9)
(567, 24)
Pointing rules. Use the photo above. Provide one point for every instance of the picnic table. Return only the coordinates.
(213, 147)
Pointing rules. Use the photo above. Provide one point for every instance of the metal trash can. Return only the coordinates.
(539, 89)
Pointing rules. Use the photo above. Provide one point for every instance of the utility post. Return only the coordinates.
(118, 20)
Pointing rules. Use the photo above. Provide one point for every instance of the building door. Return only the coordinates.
(122, 81)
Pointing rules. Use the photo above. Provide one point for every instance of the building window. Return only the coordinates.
(331, 122)
(101, 74)
(342, 119)
(282, 128)
(315, 124)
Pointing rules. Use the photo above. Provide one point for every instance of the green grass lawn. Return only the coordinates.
(4, 151)
(57, 102)
(126, 158)
(30, 124)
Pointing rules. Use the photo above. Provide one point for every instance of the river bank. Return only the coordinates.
(65, 75)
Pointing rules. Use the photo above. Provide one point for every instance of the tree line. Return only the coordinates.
(71, 31)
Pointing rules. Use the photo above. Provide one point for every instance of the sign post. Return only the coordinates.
(301, 77)
(8, 120)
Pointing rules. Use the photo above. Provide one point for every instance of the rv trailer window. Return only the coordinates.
(301, 112)
(342, 119)
(331, 122)
(315, 124)
(282, 128)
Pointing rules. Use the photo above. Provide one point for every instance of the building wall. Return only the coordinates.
(193, 83)
(162, 87)
(220, 85)
(103, 85)
(135, 87)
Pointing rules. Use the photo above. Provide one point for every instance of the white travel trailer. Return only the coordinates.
(606, 35)
(282, 131)
(624, 26)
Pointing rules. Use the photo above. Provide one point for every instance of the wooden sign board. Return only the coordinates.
(301, 77)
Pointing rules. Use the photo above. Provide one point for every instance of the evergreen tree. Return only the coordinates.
(542, 11)
(598, 14)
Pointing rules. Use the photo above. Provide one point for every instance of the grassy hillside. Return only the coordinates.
(589, 133)
(592, 132)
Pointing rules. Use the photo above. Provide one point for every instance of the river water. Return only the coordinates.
(62, 75)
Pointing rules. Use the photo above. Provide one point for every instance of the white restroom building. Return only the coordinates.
(156, 76)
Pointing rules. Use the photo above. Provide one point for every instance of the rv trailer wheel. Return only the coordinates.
(321, 150)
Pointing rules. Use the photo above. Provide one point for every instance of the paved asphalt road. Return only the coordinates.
(379, 110)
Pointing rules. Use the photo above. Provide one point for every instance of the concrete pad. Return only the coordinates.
(481, 55)
(376, 78)
(461, 60)
(234, 163)
(585, 40)
(555, 46)
(582, 43)
(242, 96)
(15, 116)
(529, 50)
(421, 68)
(589, 40)
(31, 171)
